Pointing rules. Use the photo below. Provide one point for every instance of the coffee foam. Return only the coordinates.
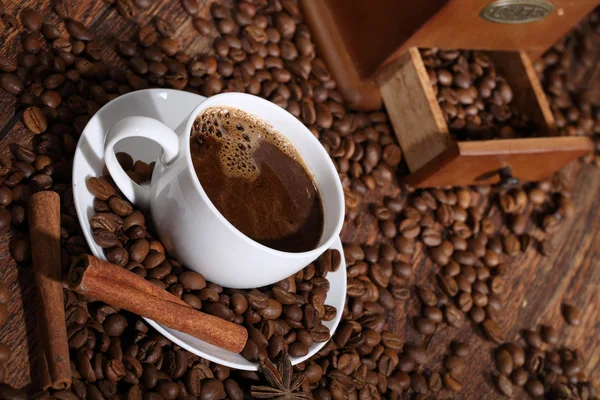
(239, 134)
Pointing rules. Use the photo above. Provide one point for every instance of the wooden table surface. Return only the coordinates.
(536, 285)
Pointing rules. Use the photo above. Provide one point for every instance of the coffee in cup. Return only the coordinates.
(256, 179)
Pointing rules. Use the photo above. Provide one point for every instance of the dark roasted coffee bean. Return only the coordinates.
(126, 8)
(533, 338)
(534, 387)
(519, 377)
(11, 83)
(147, 35)
(191, 6)
(50, 31)
(517, 354)
(102, 189)
(418, 383)
(424, 326)
(31, 19)
(202, 25)
(492, 331)
(7, 65)
(460, 349)
(192, 280)
(164, 26)
(35, 120)
(78, 30)
(31, 43)
(550, 335)
(454, 316)
(504, 361)
(504, 385)
(64, 8)
(114, 325)
(571, 314)
(427, 296)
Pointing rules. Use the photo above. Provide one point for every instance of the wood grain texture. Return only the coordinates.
(360, 94)
(458, 25)
(413, 109)
(536, 287)
(467, 163)
(529, 97)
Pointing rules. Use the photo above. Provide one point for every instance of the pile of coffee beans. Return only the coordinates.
(115, 353)
(264, 48)
(565, 71)
(475, 100)
(541, 367)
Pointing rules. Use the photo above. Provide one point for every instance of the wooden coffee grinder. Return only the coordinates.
(371, 48)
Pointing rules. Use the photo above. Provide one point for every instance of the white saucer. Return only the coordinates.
(172, 108)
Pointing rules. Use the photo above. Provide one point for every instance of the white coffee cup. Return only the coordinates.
(188, 223)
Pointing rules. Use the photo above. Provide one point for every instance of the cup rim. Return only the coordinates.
(320, 150)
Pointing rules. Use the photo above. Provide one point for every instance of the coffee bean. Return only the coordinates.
(454, 316)
(519, 377)
(427, 296)
(532, 338)
(31, 43)
(459, 349)
(114, 325)
(147, 35)
(114, 370)
(31, 19)
(550, 335)
(126, 8)
(64, 8)
(164, 27)
(504, 361)
(202, 25)
(7, 65)
(35, 120)
(11, 83)
(517, 354)
(78, 30)
(534, 387)
(101, 188)
(425, 326)
(492, 331)
(20, 248)
(212, 389)
(451, 383)
(504, 385)
(192, 280)
(571, 314)
(191, 6)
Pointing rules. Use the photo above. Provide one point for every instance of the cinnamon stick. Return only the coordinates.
(119, 287)
(101, 269)
(44, 232)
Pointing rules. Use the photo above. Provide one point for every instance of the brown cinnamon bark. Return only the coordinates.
(119, 287)
(44, 232)
(100, 269)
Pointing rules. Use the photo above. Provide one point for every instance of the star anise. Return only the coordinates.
(283, 384)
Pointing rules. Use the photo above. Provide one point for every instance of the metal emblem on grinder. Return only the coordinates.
(516, 11)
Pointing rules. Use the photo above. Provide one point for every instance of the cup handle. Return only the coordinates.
(138, 127)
